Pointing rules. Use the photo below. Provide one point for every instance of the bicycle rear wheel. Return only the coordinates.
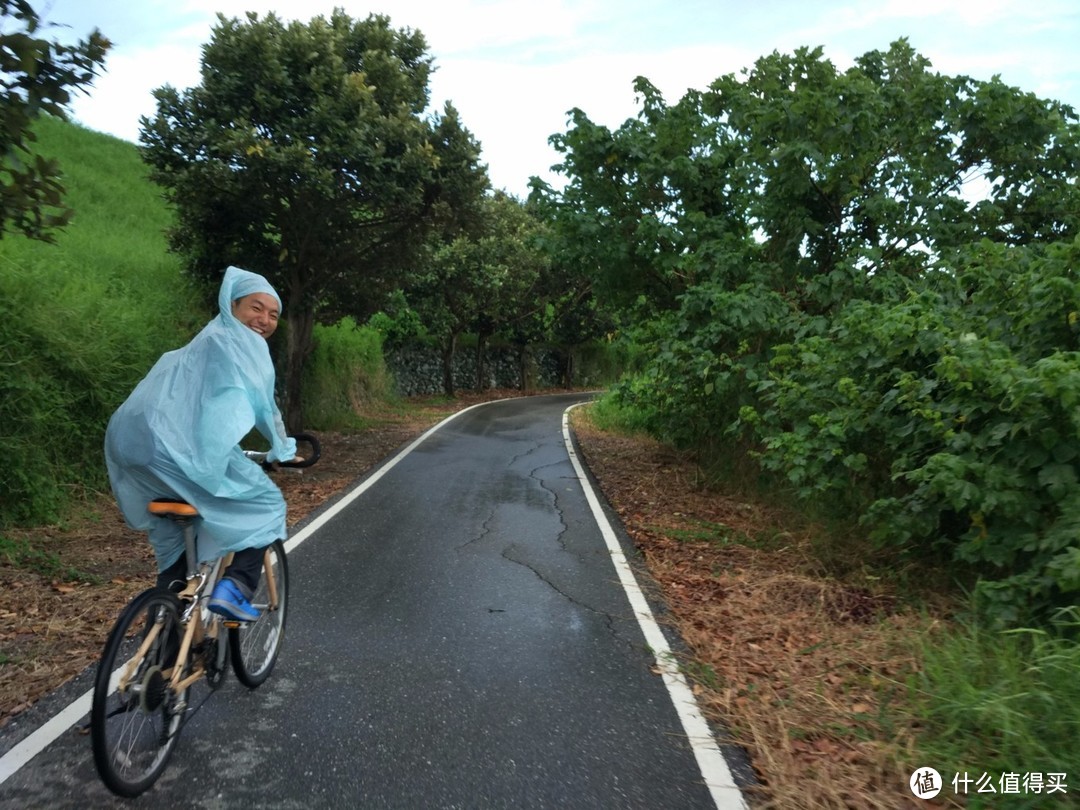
(134, 726)
(255, 645)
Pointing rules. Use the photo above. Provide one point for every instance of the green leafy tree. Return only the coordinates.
(648, 205)
(568, 314)
(305, 155)
(866, 278)
(36, 76)
(481, 281)
(750, 213)
(812, 179)
(515, 262)
(871, 170)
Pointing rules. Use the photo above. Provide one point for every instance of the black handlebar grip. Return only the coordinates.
(316, 452)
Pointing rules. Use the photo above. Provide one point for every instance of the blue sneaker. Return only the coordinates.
(228, 601)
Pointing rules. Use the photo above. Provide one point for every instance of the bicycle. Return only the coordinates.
(164, 642)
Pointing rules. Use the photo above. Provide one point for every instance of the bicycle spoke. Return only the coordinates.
(255, 645)
(135, 718)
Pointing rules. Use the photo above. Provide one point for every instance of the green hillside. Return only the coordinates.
(82, 320)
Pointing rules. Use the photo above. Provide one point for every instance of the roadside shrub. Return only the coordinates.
(345, 371)
(706, 356)
(948, 422)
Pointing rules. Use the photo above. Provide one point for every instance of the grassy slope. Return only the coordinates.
(117, 236)
(83, 319)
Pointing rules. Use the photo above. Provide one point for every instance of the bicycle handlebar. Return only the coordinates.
(316, 451)
(306, 438)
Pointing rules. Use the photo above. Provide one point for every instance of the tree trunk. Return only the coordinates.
(568, 369)
(480, 382)
(523, 369)
(300, 343)
(448, 364)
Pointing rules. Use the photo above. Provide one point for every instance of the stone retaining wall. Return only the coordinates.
(417, 370)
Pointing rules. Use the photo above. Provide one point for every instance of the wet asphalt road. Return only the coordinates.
(457, 638)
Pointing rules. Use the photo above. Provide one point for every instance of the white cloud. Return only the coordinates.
(124, 91)
(514, 108)
(514, 67)
(118, 98)
(448, 27)
(457, 29)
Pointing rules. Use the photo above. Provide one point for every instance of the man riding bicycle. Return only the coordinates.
(177, 436)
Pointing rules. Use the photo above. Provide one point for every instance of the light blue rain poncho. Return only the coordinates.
(178, 434)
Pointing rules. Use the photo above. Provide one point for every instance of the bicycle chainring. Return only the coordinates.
(216, 664)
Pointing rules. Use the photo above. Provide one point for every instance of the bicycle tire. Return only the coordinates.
(133, 733)
(254, 646)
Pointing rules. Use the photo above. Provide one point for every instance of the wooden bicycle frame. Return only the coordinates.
(195, 630)
(199, 579)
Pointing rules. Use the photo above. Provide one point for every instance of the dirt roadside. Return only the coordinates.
(792, 662)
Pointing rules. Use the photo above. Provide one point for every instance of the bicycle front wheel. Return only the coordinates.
(135, 719)
(255, 645)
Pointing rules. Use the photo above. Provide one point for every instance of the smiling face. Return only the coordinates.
(258, 312)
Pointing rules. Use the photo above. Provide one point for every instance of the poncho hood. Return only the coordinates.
(238, 283)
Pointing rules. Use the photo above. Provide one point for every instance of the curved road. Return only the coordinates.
(458, 638)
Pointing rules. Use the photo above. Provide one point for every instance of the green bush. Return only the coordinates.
(705, 358)
(941, 412)
(345, 372)
(948, 422)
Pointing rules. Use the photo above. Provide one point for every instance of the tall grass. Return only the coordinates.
(1001, 702)
(603, 362)
(612, 413)
(345, 372)
(82, 320)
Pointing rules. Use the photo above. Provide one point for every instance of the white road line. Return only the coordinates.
(714, 768)
(27, 749)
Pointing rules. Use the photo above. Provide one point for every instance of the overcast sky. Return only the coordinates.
(513, 68)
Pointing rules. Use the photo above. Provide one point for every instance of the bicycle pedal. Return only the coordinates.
(231, 624)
